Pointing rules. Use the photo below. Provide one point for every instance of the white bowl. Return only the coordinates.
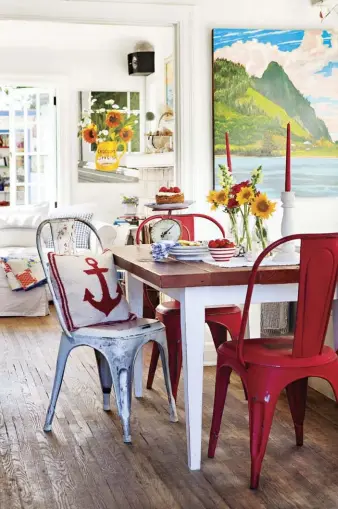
(222, 254)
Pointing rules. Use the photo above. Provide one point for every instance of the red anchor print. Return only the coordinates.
(106, 304)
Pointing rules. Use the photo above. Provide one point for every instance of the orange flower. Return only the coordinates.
(89, 133)
(126, 133)
(114, 118)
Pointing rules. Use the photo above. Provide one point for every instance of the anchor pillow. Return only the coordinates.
(87, 289)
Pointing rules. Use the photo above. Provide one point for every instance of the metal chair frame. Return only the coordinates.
(115, 351)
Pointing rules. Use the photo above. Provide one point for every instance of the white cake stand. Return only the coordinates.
(170, 207)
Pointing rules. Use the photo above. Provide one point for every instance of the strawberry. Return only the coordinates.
(212, 244)
(163, 190)
(177, 190)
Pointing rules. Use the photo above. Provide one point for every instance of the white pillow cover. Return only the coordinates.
(18, 224)
(18, 237)
(20, 221)
(87, 289)
(40, 209)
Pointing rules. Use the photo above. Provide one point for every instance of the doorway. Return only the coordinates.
(27, 145)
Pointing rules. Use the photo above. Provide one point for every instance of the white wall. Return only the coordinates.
(89, 57)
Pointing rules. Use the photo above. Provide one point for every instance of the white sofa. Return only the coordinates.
(17, 237)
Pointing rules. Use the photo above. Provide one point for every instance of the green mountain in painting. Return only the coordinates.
(256, 112)
(276, 85)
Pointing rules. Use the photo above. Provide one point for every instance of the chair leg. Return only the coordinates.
(153, 365)
(105, 378)
(64, 351)
(122, 382)
(221, 388)
(124, 389)
(165, 365)
(174, 346)
(219, 333)
(296, 393)
(260, 417)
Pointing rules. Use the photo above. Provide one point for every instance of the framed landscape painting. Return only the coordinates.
(264, 79)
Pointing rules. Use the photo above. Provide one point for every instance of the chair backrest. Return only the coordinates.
(317, 283)
(64, 240)
(187, 222)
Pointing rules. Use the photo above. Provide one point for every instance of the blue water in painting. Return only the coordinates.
(311, 177)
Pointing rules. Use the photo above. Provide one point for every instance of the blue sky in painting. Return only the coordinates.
(286, 40)
(310, 58)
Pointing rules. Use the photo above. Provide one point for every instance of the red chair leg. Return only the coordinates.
(153, 364)
(173, 330)
(296, 393)
(260, 417)
(221, 388)
(218, 332)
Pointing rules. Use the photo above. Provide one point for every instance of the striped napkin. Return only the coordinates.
(160, 250)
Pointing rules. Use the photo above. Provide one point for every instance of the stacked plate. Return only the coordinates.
(190, 253)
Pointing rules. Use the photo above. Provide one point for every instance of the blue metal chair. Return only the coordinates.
(116, 346)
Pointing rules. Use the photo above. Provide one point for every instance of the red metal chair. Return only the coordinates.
(220, 320)
(267, 366)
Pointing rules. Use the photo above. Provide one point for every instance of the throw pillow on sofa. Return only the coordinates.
(87, 289)
(18, 237)
(82, 232)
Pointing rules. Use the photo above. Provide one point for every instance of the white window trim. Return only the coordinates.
(182, 17)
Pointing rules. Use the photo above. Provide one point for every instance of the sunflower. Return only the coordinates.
(222, 197)
(263, 207)
(245, 195)
(114, 118)
(126, 133)
(211, 198)
(89, 133)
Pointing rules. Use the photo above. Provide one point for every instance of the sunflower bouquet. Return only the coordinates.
(110, 123)
(240, 201)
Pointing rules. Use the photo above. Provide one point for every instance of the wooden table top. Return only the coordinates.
(176, 274)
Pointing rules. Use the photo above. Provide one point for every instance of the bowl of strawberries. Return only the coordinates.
(222, 250)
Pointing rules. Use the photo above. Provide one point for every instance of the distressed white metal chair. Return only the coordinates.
(116, 346)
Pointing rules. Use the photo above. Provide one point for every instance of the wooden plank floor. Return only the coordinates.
(83, 463)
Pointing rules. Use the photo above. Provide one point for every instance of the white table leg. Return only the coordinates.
(135, 299)
(192, 325)
(254, 322)
(335, 323)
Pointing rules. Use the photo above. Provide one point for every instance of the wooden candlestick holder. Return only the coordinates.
(287, 252)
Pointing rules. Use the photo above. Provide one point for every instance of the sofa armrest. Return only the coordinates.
(107, 234)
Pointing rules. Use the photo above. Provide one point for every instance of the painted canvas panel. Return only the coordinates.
(264, 79)
(108, 130)
(169, 83)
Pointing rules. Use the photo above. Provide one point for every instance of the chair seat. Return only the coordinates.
(173, 307)
(120, 330)
(275, 352)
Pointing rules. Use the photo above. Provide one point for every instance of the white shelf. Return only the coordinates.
(162, 160)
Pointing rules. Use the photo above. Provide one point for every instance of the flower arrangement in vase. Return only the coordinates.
(240, 201)
(108, 130)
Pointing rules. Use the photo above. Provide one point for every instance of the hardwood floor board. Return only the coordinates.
(83, 463)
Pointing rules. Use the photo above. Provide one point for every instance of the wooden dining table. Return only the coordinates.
(198, 285)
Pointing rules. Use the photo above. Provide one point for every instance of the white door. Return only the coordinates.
(32, 144)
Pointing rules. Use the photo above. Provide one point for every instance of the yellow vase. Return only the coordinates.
(107, 157)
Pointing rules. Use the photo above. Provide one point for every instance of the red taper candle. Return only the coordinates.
(227, 146)
(288, 159)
